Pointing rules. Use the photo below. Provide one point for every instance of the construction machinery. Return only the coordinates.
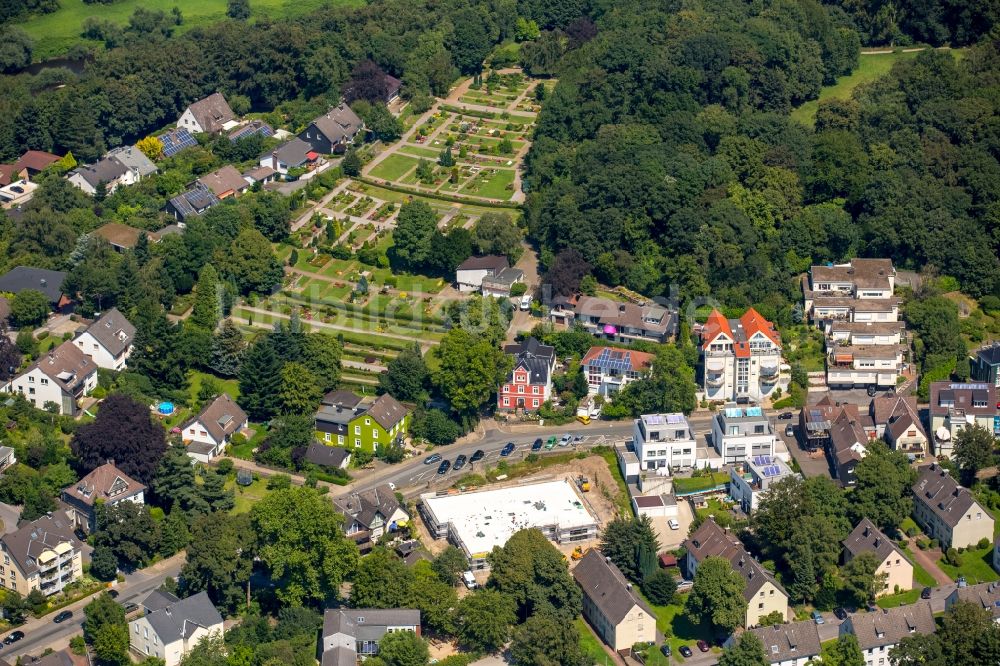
(577, 553)
(583, 483)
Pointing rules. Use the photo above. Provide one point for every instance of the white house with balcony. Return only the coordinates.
(61, 377)
(742, 433)
(752, 479)
(742, 357)
(664, 442)
(609, 370)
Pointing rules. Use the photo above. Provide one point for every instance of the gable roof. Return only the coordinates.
(349, 620)
(533, 356)
(983, 595)
(710, 540)
(194, 201)
(226, 179)
(614, 358)
(133, 159)
(221, 417)
(715, 325)
(338, 124)
(891, 625)
(492, 262)
(106, 482)
(939, 492)
(365, 505)
(212, 112)
(754, 323)
(326, 456)
(867, 538)
(44, 280)
(963, 397)
(7, 173)
(180, 619)
(292, 153)
(990, 354)
(157, 599)
(65, 365)
(107, 170)
(35, 160)
(603, 583)
(387, 411)
(904, 417)
(785, 642)
(113, 331)
(27, 542)
(845, 434)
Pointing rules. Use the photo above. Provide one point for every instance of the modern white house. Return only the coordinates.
(609, 370)
(742, 357)
(470, 273)
(664, 442)
(108, 341)
(208, 434)
(742, 433)
(61, 377)
(752, 479)
(171, 627)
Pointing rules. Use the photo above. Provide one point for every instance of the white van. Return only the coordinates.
(469, 580)
(526, 302)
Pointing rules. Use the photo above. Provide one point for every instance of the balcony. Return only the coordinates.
(768, 381)
(769, 371)
(715, 381)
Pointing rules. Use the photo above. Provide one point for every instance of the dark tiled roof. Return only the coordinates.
(940, 493)
(327, 456)
(195, 201)
(66, 365)
(180, 619)
(386, 411)
(863, 273)
(710, 540)
(113, 331)
(212, 112)
(349, 620)
(106, 483)
(221, 417)
(603, 583)
(963, 396)
(292, 153)
(30, 539)
(363, 506)
(533, 356)
(990, 354)
(891, 625)
(491, 262)
(157, 599)
(984, 595)
(338, 124)
(105, 171)
(845, 433)
(785, 642)
(866, 538)
(21, 278)
(343, 398)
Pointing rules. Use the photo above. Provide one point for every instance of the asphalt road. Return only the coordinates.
(42, 633)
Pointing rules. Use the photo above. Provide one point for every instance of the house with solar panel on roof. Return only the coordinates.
(191, 203)
(741, 357)
(609, 370)
(751, 479)
(664, 442)
(742, 433)
(175, 140)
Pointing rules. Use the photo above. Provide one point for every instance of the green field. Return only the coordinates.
(393, 167)
(870, 68)
(494, 187)
(55, 33)
(976, 566)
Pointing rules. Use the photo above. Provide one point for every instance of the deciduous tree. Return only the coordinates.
(530, 570)
(220, 559)
(546, 639)
(124, 432)
(484, 619)
(748, 651)
(974, 450)
(717, 596)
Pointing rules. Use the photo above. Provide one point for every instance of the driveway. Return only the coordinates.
(811, 464)
(928, 562)
(9, 515)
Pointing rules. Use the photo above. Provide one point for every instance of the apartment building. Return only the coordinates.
(792, 644)
(609, 370)
(956, 406)
(948, 512)
(61, 377)
(43, 555)
(740, 433)
(170, 627)
(664, 441)
(879, 632)
(741, 357)
(986, 364)
(108, 341)
(892, 562)
(984, 595)
(618, 615)
(753, 478)
(614, 320)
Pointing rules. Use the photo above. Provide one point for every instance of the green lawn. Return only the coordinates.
(55, 33)
(494, 187)
(870, 68)
(976, 566)
(393, 167)
(687, 485)
(247, 496)
(195, 378)
(420, 151)
(672, 622)
(901, 599)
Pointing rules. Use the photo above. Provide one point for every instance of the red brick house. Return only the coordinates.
(529, 384)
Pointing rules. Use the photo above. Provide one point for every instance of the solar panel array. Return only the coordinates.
(760, 461)
(675, 418)
(755, 411)
(970, 387)
(250, 129)
(771, 470)
(177, 140)
(613, 359)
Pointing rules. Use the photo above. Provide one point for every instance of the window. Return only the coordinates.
(368, 421)
(45, 381)
(357, 443)
(357, 430)
(520, 388)
(374, 433)
(506, 402)
(506, 388)
(534, 389)
(31, 390)
(327, 436)
(534, 403)
(760, 605)
(340, 439)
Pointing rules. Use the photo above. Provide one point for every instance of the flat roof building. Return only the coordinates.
(739, 433)
(476, 522)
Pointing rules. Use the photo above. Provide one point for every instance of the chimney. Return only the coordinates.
(274, 160)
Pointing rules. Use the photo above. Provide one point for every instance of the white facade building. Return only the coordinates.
(741, 433)
(108, 341)
(172, 627)
(751, 480)
(664, 441)
(61, 377)
(742, 357)
(609, 370)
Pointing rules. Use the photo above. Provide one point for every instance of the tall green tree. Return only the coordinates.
(321, 355)
(845, 651)
(174, 483)
(415, 227)
(471, 369)
(29, 308)
(624, 539)
(748, 651)
(207, 309)
(546, 639)
(406, 375)
(975, 449)
(717, 596)
(530, 570)
(300, 390)
(369, 588)
(220, 559)
(484, 619)
(158, 352)
(882, 490)
(403, 648)
(228, 348)
(250, 263)
(260, 380)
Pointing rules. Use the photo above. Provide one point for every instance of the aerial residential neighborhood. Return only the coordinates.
(499, 334)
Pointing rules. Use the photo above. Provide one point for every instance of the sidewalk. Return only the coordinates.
(929, 563)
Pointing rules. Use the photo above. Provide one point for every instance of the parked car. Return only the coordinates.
(432, 458)
(551, 443)
(507, 449)
(130, 607)
(444, 466)
(840, 613)
(926, 593)
(685, 651)
(537, 444)
(872, 607)
(789, 430)
(469, 580)
(784, 416)
(565, 440)
(817, 617)
(13, 637)
(703, 646)
(459, 463)
(63, 616)
(674, 525)
(114, 593)
(665, 650)
(477, 456)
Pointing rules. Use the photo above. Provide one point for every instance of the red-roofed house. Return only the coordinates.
(35, 161)
(609, 370)
(742, 357)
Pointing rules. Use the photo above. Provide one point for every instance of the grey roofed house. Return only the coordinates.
(44, 280)
(387, 411)
(327, 456)
(535, 357)
(867, 538)
(340, 656)
(293, 153)
(212, 112)
(339, 125)
(354, 621)
(65, 365)
(711, 540)
(105, 171)
(606, 587)
(785, 642)
(113, 331)
(158, 599)
(363, 507)
(342, 398)
(195, 201)
(221, 417)
(58, 658)
(178, 620)
(133, 159)
(890, 625)
(492, 262)
(259, 174)
(30, 539)
(940, 492)
(984, 595)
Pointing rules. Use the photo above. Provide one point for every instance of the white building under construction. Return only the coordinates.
(478, 521)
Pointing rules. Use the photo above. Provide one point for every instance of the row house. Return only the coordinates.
(792, 644)
(664, 441)
(742, 357)
(948, 512)
(609, 370)
(880, 631)
(741, 433)
(529, 383)
(616, 321)
(957, 406)
(985, 596)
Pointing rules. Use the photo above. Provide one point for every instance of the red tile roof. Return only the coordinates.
(36, 160)
(753, 323)
(715, 325)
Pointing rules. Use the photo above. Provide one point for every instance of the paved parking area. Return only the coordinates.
(811, 464)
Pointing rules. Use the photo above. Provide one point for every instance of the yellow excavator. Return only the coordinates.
(583, 483)
(577, 553)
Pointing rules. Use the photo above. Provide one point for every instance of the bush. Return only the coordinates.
(279, 482)
(660, 587)
(225, 467)
(983, 544)
(953, 557)
(518, 289)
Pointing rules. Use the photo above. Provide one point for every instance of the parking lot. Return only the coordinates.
(811, 464)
